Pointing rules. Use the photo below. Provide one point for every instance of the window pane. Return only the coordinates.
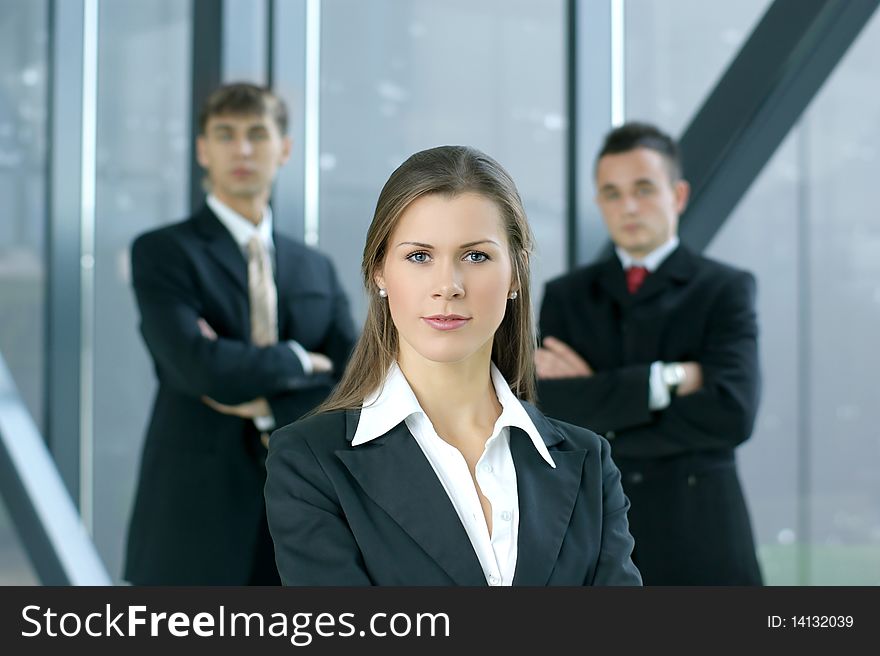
(808, 229)
(142, 182)
(841, 240)
(23, 124)
(398, 76)
(23, 116)
(676, 50)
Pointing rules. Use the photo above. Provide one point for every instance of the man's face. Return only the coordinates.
(241, 154)
(638, 199)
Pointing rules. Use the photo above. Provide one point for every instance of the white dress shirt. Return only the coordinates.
(495, 472)
(658, 392)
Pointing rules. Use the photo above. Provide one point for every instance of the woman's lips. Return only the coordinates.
(445, 323)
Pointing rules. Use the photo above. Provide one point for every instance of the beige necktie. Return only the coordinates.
(264, 300)
(262, 293)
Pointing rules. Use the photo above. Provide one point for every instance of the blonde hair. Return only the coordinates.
(449, 171)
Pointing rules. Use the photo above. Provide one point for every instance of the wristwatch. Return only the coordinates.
(673, 375)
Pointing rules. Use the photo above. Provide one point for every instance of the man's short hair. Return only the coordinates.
(243, 99)
(634, 134)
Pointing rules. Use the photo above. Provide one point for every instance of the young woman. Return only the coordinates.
(428, 465)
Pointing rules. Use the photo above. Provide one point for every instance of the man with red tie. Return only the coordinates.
(656, 347)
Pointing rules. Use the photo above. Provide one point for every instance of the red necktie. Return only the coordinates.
(635, 276)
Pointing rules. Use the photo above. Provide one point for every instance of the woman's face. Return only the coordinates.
(448, 274)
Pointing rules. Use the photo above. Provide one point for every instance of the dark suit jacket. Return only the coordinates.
(377, 514)
(199, 500)
(688, 516)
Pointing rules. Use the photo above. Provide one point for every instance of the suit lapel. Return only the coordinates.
(546, 499)
(675, 269)
(285, 274)
(394, 473)
(613, 281)
(284, 263)
(221, 247)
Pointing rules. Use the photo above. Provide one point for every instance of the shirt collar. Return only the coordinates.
(240, 228)
(395, 401)
(652, 260)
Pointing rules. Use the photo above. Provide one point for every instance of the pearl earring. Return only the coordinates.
(513, 296)
(383, 293)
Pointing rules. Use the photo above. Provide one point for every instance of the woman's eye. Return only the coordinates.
(476, 256)
(418, 257)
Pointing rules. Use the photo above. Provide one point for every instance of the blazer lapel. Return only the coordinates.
(613, 281)
(221, 247)
(394, 472)
(285, 273)
(546, 499)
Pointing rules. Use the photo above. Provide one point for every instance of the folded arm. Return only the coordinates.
(227, 370)
(720, 414)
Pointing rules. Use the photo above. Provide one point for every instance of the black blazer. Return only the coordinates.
(377, 514)
(688, 516)
(199, 499)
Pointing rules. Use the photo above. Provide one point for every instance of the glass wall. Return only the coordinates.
(808, 228)
(398, 76)
(24, 67)
(805, 228)
(23, 117)
(761, 236)
(143, 152)
(675, 51)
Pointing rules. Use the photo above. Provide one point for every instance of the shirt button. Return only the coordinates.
(494, 580)
(506, 515)
(488, 469)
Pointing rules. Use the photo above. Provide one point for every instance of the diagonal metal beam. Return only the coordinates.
(760, 97)
(42, 511)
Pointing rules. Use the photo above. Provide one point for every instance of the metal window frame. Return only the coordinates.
(295, 62)
(592, 81)
(70, 243)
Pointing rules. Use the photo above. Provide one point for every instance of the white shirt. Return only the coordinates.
(241, 229)
(658, 393)
(652, 260)
(495, 472)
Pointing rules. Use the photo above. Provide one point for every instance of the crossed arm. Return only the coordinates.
(231, 375)
(714, 408)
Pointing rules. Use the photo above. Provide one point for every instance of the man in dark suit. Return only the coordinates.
(248, 330)
(656, 347)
